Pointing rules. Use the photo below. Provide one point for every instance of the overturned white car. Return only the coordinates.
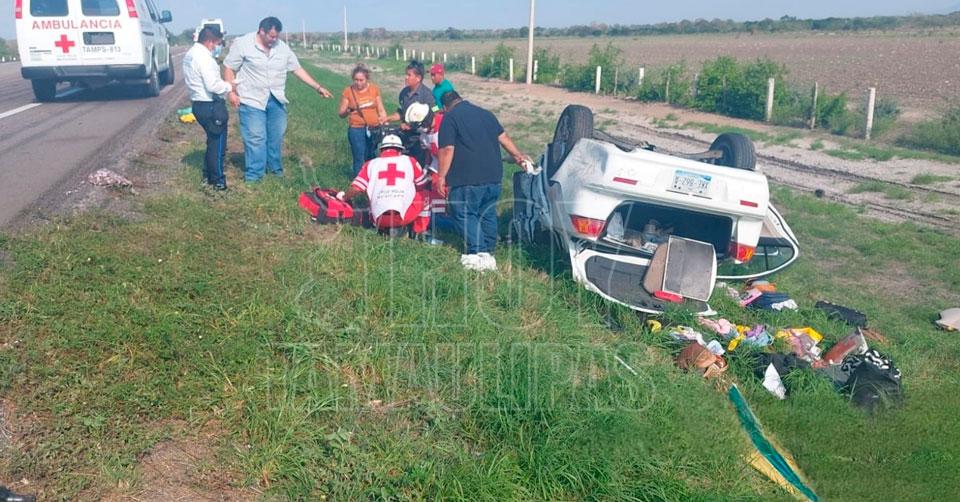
(645, 228)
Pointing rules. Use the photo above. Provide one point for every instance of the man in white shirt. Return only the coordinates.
(201, 73)
(260, 62)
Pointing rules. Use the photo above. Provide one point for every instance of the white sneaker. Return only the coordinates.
(487, 262)
(470, 261)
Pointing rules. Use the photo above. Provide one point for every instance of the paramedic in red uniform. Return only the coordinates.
(394, 185)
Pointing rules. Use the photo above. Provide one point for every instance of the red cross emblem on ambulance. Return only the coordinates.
(64, 44)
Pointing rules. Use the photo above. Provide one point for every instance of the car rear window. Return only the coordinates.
(48, 8)
(100, 7)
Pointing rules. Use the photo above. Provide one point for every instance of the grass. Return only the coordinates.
(858, 150)
(783, 138)
(816, 145)
(339, 364)
(890, 191)
(929, 179)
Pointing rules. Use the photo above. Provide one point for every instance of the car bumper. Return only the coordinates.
(118, 72)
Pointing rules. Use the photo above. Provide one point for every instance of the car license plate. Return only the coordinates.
(691, 183)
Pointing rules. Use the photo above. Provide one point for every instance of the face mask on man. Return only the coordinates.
(217, 51)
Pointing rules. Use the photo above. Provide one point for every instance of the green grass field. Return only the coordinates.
(332, 362)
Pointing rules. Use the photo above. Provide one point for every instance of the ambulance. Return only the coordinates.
(93, 42)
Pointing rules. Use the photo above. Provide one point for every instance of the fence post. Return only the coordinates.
(444, 58)
(511, 69)
(404, 54)
(536, 67)
(599, 73)
(640, 76)
(666, 90)
(423, 56)
(696, 85)
(433, 56)
(771, 84)
(871, 104)
(813, 110)
(473, 65)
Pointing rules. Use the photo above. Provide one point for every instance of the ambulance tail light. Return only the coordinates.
(741, 253)
(132, 9)
(587, 226)
(18, 9)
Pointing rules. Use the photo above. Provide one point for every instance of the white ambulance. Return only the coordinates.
(92, 42)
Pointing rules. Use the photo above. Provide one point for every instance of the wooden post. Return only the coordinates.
(599, 73)
(511, 69)
(536, 67)
(433, 56)
(423, 56)
(640, 76)
(871, 104)
(473, 65)
(813, 110)
(404, 54)
(771, 85)
(666, 90)
(696, 84)
(444, 58)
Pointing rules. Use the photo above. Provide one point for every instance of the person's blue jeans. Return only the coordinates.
(262, 132)
(360, 147)
(474, 212)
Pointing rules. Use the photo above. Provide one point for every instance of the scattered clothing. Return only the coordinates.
(773, 301)
(803, 341)
(872, 381)
(721, 327)
(846, 314)
(773, 383)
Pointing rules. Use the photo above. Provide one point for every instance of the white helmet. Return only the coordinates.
(416, 113)
(391, 141)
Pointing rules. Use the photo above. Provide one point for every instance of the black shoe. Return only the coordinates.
(220, 187)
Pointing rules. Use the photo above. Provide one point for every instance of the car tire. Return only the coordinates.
(575, 123)
(152, 88)
(738, 151)
(167, 77)
(44, 89)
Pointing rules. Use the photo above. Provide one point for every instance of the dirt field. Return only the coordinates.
(919, 69)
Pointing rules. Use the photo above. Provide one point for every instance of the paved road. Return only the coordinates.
(46, 147)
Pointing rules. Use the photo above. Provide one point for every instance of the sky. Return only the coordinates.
(324, 15)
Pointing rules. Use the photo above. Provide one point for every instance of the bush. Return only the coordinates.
(941, 135)
(583, 77)
(496, 65)
(740, 89)
(548, 66)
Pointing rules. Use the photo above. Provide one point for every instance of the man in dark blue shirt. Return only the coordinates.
(471, 171)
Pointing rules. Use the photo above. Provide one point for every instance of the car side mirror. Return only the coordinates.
(166, 17)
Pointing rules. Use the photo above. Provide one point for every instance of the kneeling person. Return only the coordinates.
(394, 183)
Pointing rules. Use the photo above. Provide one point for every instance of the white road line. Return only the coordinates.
(18, 110)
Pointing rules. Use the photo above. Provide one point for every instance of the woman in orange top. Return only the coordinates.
(362, 105)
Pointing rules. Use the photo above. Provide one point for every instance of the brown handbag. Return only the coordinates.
(696, 357)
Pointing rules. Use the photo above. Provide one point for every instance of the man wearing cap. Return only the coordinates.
(441, 85)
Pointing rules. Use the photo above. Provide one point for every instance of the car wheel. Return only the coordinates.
(575, 123)
(44, 89)
(167, 77)
(152, 88)
(737, 151)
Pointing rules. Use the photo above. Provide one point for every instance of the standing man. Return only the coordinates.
(441, 85)
(259, 63)
(201, 73)
(471, 171)
(413, 92)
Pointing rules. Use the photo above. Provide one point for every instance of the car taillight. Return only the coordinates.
(18, 9)
(740, 252)
(132, 8)
(587, 226)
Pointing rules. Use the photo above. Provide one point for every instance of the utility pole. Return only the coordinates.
(303, 30)
(530, 43)
(345, 27)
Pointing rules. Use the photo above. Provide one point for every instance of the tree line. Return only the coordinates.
(784, 24)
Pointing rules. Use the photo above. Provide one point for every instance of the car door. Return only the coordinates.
(160, 42)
